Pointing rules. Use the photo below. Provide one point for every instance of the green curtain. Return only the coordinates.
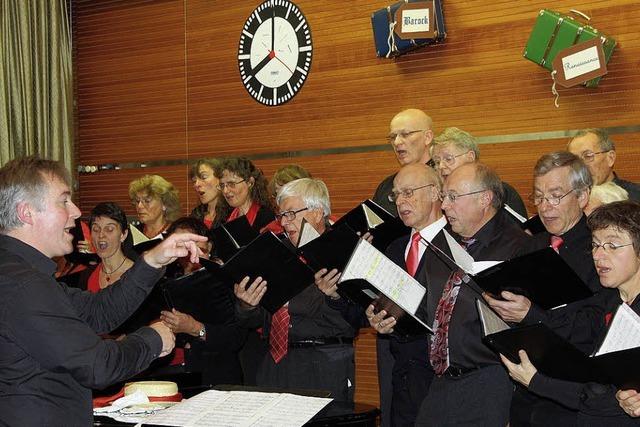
(36, 112)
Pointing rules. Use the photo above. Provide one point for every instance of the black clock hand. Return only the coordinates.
(273, 27)
(262, 63)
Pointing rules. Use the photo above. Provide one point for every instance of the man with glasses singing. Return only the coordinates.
(410, 133)
(455, 147)
(311, 344)
(598, 152)
(470, 386)
(415, 193)
(560, 193)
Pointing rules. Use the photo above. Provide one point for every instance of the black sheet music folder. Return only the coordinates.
(556, 358)
(542, 276)
(270, 258)
(368, 216)
(229, 237)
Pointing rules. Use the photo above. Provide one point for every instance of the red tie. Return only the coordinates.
(412, 255)
(279, 334)
(556, 242)
(439, 354)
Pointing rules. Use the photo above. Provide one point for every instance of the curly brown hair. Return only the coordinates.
(245, 169)
(222, 207)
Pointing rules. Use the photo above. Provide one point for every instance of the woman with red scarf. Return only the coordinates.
(244, 187)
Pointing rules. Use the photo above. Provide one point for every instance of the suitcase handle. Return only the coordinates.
(580, 14)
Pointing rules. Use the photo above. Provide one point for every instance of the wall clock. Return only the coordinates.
(274, 53)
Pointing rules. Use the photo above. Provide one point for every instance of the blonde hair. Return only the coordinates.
(157, 186)
(459, 138)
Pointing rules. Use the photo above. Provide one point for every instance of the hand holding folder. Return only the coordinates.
(614, 362)
(368, 276)
(541, 276)
(275, 261)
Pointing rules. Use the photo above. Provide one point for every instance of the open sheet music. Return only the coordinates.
(370, 264)
(491, 322)
(240, 409)
(623, 333)
(464, 260)
(307, 233)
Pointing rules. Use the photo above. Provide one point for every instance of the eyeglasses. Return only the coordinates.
(453, 197)
(589, 156)
(448, 159)
(406, 193)
(146, 201)
(553, 200)
(607, 247)
(289, 215)
(404, 134)
(230, 185)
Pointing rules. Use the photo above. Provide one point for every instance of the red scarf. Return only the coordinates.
(251, 213)
(93, 284)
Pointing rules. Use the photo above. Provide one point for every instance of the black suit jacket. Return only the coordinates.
(500, 239)
(575, 251)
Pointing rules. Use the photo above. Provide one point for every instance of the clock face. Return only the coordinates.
(274, 54)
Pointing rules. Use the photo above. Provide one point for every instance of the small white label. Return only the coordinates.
(370, 293)
(415, 20)
(580, 63)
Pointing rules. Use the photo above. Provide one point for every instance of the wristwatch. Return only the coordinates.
(202, 332)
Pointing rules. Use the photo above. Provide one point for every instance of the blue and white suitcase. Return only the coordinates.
(387, 22)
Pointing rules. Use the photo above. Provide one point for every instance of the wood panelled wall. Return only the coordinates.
(158, 80)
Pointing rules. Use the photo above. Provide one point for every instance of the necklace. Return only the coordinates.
(107, 274)
(145, 229)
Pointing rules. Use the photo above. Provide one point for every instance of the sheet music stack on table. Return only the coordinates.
(241, 409)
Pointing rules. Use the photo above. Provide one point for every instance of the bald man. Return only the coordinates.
(470, 386)
(410, 134)
(416, 190)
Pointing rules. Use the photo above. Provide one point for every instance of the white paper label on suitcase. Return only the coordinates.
(580, 63)
(415, 20)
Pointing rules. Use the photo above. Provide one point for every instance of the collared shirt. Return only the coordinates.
(50, 354)
(427, 233)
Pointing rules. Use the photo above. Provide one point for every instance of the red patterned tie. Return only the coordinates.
(556, 242)
(412, 256)
(279, 334)
(439, 354)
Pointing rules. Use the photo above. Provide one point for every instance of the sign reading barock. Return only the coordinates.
(407, 25)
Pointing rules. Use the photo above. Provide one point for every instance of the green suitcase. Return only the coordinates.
(554, 31)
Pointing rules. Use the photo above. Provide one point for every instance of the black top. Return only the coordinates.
(310, 318)
(50, 353)
(632, 188)
(590, 403)
(499, 239)
(575, 251)
(383, 190)
(513, 199)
